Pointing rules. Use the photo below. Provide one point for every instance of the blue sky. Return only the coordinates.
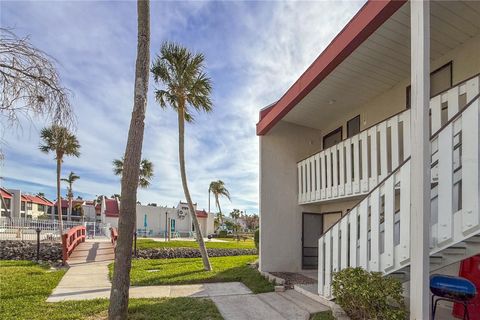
(254, 52)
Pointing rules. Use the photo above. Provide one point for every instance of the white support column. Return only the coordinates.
(420, 161)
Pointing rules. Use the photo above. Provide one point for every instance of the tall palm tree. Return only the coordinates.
(118, 307)
(146, 171)
(61, 142)
(72, 177)
(218, 189)
(185, 86)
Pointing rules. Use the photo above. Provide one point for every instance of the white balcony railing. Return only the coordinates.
(375, 234)
(356, 165)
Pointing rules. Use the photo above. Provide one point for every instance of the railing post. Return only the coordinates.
(64, 248)
(38, 230)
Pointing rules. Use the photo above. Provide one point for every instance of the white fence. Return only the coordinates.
(356, 165)
(375, 234)
(25, 229)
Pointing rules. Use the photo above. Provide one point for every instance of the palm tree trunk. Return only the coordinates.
(70, 204)
(219, 209)
(131, 170)
(59, 196)
(181, 156)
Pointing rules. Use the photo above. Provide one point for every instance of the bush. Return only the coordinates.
(256, 238)
(368, 295)
(222, 234)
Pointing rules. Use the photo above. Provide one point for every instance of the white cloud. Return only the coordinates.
(254, 50)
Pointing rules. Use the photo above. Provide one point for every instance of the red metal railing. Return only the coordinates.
(71, 240)
(113, 236)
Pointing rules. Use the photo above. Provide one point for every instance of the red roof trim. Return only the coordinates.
(5, 193)
(201, 214)
(371, 16)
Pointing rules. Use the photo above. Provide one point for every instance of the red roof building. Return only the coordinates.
(111, 208)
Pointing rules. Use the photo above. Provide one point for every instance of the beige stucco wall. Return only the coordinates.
(35, 212)
(280, 214)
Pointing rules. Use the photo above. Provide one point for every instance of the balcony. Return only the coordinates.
(375, 234)
(355, 166)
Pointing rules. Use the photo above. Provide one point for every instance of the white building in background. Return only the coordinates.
(385, 122)
(152, 220)
(23, 205)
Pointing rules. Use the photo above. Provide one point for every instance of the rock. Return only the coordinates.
(172, 253)
(27, 250)
(279, 289)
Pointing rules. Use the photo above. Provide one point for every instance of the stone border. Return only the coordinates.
(270, 277)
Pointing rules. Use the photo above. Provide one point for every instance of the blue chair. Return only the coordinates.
(453, 289)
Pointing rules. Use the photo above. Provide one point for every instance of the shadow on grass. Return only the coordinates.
(174, 309)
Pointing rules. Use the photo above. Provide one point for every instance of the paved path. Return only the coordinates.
(288, 305)
(87, 278)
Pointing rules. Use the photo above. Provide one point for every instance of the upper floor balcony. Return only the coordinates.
(356, 165)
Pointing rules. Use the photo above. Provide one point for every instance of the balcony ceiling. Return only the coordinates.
(383, 60)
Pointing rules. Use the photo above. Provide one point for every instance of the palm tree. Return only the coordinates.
(72, 177)
(235, 214)
(118, 307)
(218, 189)
(62, 142)
(185, 87)
(146, 171)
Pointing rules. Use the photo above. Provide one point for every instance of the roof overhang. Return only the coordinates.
(371, 16)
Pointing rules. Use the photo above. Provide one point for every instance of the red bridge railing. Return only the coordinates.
(113, 236)
(71, 240)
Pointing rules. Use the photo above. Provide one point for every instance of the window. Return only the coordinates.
(440, 80)
(29, 206)
(41, 207)
(332, 138)
(353, 126)
(22, 206)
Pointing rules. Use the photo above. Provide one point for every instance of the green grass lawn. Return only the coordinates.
(230, 244)
(24, 287)
(190, 270)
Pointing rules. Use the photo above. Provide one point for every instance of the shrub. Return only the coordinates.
(368, 295)
(256, 238)
(222, 234)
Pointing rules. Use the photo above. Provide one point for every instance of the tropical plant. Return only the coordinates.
(185, 87)
(41, 194)
(60, 141)
(131, 170)
(146, 171)
(235, 214)
(218, 189)
(368, 295)
(72, 177)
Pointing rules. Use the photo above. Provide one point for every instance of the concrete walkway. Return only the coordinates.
(288, 305)
(87, 278)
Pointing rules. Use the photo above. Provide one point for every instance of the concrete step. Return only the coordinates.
(436, 259)
(285, 307)
(458, 249)
(304, 302)
(474, 239)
